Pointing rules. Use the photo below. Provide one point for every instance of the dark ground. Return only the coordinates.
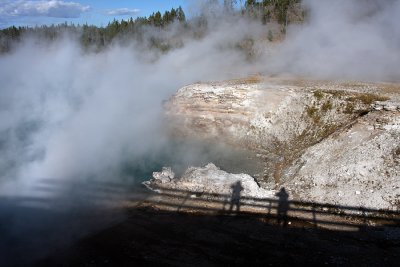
(152, 237)
(171, 228)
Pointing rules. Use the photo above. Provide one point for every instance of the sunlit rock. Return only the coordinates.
(316, 138)
(165, 176)
(208, 179)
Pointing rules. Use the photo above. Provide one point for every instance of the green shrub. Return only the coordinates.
(326, 106)
(349, 109)
(311, 111)
(318, 94)
(368, 98)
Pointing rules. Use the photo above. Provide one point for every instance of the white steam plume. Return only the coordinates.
(68, 113)
(345, 39)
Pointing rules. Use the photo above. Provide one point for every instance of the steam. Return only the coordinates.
(357, 39)
(72, 123)
(68, 114)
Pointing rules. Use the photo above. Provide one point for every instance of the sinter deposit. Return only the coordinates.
(325, 141)
(208, 179)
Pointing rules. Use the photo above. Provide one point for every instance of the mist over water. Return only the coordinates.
(80, 129)
(66, 112)
(69, 113)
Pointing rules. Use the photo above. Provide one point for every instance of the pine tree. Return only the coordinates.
(180, 14)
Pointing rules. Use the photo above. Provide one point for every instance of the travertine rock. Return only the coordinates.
(209, 179)
(322, 140)
(165, 176)
(361, 162)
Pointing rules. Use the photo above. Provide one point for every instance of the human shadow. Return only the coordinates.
(235, 197)
(283, 206)
(302, 213)
(336, 234)
(174, 215)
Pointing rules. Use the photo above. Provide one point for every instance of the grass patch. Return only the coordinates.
(311, 111)
(337, 93)
(253, 79)
(367, 98)
(349, 109)
(318, 94)
(326, 106)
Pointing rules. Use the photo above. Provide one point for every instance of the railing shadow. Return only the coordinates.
(186, 228)
(280, 209)
(63, 212)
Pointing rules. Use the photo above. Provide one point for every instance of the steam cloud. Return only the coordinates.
(67, 113)
(357, 39)
(70, 120)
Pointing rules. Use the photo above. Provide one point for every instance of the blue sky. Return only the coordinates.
(98, 12)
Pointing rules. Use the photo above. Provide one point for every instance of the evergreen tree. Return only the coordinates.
(180, 14)
(174, 15)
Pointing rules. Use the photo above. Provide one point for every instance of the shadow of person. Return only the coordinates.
(283, 206)
(235, 198)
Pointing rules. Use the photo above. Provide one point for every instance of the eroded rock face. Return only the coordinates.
(359, 166)
(208, 179)
(333, 142)
(234, 112)
(278, 119)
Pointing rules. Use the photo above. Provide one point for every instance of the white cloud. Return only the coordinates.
(122, 12)
(45, 8)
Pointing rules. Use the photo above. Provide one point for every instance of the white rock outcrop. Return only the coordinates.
(164, 176)
(359, 166)
(325, 141)
(208, 179)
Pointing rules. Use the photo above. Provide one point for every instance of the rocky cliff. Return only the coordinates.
(327, 141)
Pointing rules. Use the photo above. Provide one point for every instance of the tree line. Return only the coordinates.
(91, 35)
(100, 37)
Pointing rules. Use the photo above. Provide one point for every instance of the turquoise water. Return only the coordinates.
(181, 154)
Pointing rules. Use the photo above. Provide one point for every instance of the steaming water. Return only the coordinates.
(79, 132)
(58, 211)
(181, 154)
